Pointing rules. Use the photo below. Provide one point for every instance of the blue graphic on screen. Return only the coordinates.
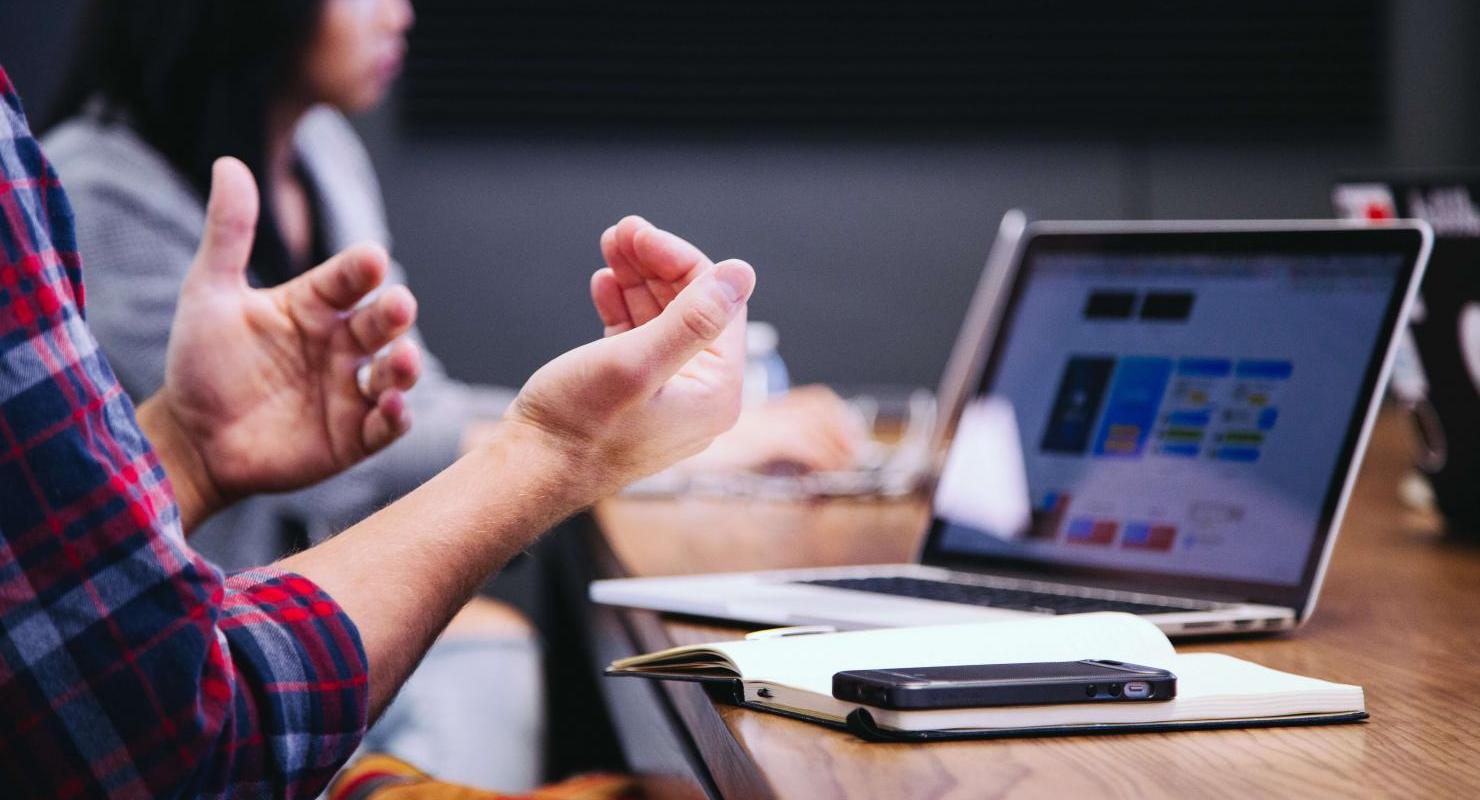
(1267, 370)
(1134, 400)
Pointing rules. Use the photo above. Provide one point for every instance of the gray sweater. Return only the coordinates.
(138, 224)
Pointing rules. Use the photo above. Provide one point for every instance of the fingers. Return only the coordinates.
(699, 318)
(809, 427)
(616, 255)
(392, 374)
(650, 265)
(814, 449)
(390, 418)
(814, 453)
(666, 257)
(231, 223)
(821, 411)
(606, 295)
(379, 323)
(616, 248)
(398, 368)
(831, 450)
(341, 282)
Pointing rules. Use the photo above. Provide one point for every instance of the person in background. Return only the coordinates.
(159, 89)
(132, 667)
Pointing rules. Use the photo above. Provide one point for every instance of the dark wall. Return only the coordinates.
(33, 41)
(867, 249)
(867, 252)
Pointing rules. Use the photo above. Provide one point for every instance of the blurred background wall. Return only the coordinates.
(868, 234)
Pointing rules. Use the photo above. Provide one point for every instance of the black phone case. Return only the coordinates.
(1044, 690)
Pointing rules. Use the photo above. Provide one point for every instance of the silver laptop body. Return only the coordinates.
(1146, 417)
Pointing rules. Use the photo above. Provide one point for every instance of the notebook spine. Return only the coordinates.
(861, 723)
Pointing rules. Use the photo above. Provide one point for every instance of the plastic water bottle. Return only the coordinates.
(765, 372)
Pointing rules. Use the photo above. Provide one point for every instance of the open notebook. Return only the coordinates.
(793, 676)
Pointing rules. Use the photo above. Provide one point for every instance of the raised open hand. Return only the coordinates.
(810, 428)
(665, 380)
(262, 383)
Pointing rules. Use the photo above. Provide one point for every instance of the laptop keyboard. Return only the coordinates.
(994, 596)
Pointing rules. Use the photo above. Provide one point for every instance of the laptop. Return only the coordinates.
(1167, 420)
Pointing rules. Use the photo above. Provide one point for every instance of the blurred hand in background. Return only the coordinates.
(808, 429)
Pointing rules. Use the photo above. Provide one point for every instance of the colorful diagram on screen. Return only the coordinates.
(1190, 404)
(1215, 408)
(1250, 412)
(1127, 408)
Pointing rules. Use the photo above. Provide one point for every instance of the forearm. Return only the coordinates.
(194, 491)
(403, 573)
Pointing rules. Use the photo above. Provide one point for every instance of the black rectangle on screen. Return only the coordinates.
(1167, 306)
(1110, 305)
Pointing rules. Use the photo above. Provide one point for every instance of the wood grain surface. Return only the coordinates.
(1399, 615)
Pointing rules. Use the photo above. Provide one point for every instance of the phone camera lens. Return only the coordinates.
(1090, 690)
(1114, 690)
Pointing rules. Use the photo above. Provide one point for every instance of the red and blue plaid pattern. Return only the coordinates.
(130, 666)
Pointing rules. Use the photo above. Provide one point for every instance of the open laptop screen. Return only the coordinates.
(1171, 411)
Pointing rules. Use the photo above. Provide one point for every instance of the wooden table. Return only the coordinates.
(1399, 615)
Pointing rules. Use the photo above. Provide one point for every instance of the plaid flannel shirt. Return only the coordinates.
(130, 666)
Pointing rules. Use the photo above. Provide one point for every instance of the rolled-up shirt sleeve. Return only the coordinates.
(129, 665)
(299, 700)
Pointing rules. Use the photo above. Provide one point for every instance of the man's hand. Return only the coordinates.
(261, 390)
(659, 387)
(665, 380)
(810, 427)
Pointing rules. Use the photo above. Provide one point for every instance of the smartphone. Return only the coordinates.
(1038, 683)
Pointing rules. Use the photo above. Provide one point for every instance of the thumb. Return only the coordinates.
(697, 318)
(231, 222)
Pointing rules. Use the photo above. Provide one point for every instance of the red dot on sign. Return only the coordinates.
(1377, 211)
